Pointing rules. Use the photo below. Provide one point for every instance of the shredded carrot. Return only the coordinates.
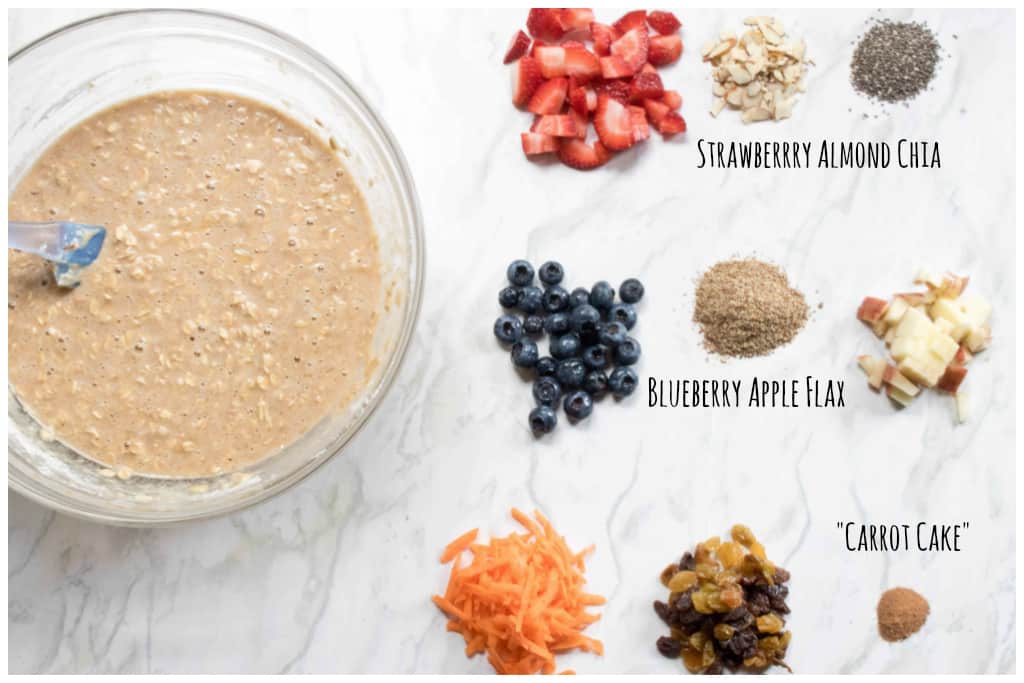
(521, 600)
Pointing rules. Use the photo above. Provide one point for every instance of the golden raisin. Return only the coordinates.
(700, 602)
(707, 571)
(712, 543)
(731, 554)
(724, 632)
(769, 623)
(758, 661)
(743, 534)
(667, 573)
(731, 596)
(697, 640)
(709, 654)
(757, 550)
(693, 659)
(682, 581)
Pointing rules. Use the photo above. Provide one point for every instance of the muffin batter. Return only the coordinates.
(233, 304)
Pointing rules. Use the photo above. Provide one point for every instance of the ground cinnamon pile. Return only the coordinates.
(747, 308)
(901, 613)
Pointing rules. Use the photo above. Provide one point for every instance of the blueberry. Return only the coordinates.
(565, 346)
(596, 356)
(628, 352)
(631, 290)
(570, 372)
(551, 273)
(611, 334)
(524, 353)
(547, 391)
(520, 273)
(530, 299)
(508, 328)
(585, 319)
(509, 297)
(578, 405)
(546, 366)
(622, 313)
(623, 381)
(555, 299)
(595, 383)
(579, 297)
(533, 324)
(558, 323)
(602, 296)
(543, 420)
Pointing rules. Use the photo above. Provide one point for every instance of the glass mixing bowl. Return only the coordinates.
(74, 72)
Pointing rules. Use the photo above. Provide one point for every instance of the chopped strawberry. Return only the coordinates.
(559, 125)
(578, 100)
(648, 69)
(603, 36)
(615, 67)
(632, 20)
(581, 63)
(572, 43)
(549, 97)
(638, 122)
(517, 47)
(656, 112)
(673, 99)
(536, 43)
(552, 60)
(538, 143)
(575, 18)
(612, 123)
(645, 86)
(581, 121)
(526, 78)
(617, 90)
(664, 50)
(545, 24)
(672, 123)
(663, 22)
(579, 155)
(632, 47)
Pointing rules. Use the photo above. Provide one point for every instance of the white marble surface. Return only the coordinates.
(336, 574)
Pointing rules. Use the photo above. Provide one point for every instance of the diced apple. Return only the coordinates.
(943, 347)
(921, 369)
(894, 378)
(963, 355)
(943, 326)
(951, 311)
(913, 298)
(900, 397)
(897, 307)
(977, 309)
(880, 328)
(874, 368)
(924, 277)
(951, 379)
(890, 334)
(962, 406)
(871, 309)
(978, 339)
(912, 333)
(952, 286)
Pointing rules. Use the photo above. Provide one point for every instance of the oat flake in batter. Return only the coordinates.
(232, 306)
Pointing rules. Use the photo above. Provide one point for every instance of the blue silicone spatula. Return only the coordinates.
(70, 246)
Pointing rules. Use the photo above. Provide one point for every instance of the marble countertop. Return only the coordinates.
(335, 575)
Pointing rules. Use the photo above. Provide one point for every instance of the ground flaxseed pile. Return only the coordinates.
(901, 613)
(894, 61)
(747, 308)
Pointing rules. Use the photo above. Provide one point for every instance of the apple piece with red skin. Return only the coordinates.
(872, 309)
(952, 378)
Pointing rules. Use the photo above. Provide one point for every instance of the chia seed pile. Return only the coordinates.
(894, 61)
(591, 353)
(746, 308)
